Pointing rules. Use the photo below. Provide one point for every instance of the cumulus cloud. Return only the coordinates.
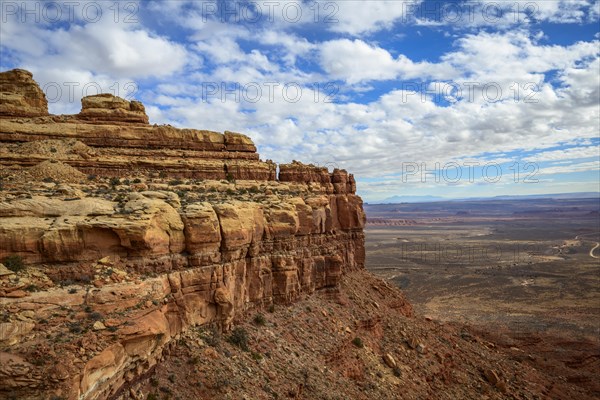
(355, 61)
(118, 50)
(88, 53)
(505, 15)
(356, 17)
(362, 104)
(565, 154)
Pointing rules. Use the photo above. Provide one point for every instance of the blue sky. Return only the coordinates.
(452, 99)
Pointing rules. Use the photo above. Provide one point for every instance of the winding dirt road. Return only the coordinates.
(594, 248)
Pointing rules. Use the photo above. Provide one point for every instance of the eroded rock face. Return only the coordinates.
(116, 272)
(106, 107)
(20, 95)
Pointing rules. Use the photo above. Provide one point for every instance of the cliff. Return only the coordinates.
(130, 234)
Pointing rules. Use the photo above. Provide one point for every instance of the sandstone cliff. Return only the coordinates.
(132, 233)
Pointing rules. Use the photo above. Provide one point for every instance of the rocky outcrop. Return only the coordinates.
(338, 182)
(173, 228)
(106, 107)
(20, 95)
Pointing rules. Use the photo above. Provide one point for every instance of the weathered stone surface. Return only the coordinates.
(238, 142)
(16, 372)
(389, 360)
(106, 107)
(201, 228)
(5, 271)
(12, 332)
(20, 96)
(93, 228)
(298, 172)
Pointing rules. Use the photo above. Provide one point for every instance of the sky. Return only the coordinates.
(415, 98)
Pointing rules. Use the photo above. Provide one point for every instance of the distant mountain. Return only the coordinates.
(431, 199)
(412, 199)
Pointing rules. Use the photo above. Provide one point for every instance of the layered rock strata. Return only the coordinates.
(168, 228)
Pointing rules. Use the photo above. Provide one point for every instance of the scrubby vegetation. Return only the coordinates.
(14, 263)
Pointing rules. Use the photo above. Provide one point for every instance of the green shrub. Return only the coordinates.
(95, 316)
(358, 342)
(211, 336)
(75, 327)
(260, 320)
(114, 181)
(14, 263)
(239, 338)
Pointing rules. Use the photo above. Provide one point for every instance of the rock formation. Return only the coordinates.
(20, 96)
(132, 233)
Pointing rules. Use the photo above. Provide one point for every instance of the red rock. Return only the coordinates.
(491, 376)
(16, 294)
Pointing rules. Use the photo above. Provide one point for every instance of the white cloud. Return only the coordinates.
(355, 61)
(568, 169)
(293, 45)
(89, 56)
(504, 15)
(565, 154)
(357, 17)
